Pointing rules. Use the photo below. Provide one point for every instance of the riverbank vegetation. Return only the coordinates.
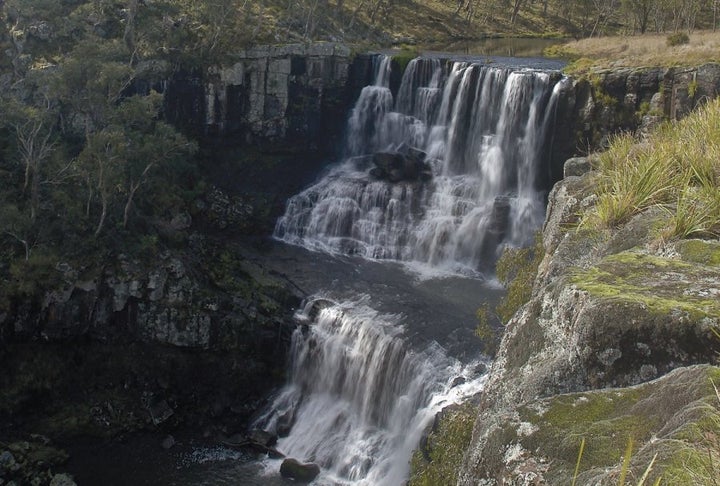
(641, 50)
(676, 168)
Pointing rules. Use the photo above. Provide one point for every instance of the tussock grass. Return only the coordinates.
(632, 51)
(677, 168)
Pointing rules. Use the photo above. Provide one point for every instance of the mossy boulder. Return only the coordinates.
(610, 308)
(668, 418)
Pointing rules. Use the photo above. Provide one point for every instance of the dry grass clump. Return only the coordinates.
(645, 50)
(677, 168)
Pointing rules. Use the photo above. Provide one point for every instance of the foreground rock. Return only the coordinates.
(294, 469)
(610, 310)
(33, 462)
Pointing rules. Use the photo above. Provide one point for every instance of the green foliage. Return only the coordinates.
(484, 329)
(516, 270)
(403, 58)
(579, 67)
(445, 448)
(677, 39)
(561, 51)
(28, 279)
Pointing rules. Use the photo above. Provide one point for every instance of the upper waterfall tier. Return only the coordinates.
(443, 173)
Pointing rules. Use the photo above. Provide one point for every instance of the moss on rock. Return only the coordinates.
(664, 285)
(705, 252)
(671, 417)
(438, 460)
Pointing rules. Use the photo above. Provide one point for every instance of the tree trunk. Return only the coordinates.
(516, 10)
(355, 12)
(128, 204)
(102, 215)
(129, 34)
(35, 192)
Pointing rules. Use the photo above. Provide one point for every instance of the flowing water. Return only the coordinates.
(481, 135)
(437, 178)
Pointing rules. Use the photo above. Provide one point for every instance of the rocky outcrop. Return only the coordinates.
(602, 103)
(294, 96)
(610, 310)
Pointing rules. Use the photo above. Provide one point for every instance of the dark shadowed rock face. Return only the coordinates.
(189, 338)
(293, 97)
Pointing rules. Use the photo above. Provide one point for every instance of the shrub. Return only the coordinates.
(443, 452)
(404, 57)
(516, 270)
(677, 39)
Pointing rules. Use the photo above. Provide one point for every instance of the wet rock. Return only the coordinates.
(294, 469)
(262, 437)
(394, 167)
(284, 423)
(316, 307)
(576, 166)
(458, 381)
(160, 412)
(168, 442)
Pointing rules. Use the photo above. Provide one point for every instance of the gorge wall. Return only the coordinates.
(205, 306)
(616, 341)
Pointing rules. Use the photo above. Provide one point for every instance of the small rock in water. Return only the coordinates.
(7, 461)
(168, 442)
(294, 469)
(160, 412)
(458, 381)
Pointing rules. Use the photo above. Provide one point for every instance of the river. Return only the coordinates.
(394, 246)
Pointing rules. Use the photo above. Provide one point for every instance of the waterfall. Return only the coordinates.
(443, 174)
(358, 398)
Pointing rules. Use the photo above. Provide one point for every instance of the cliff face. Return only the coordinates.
(602, 103)
(610, 310)
(294, 97)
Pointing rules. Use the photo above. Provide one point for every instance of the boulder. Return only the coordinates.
(406, 164)
(263, 438)
(576, 166)
(302, 472)
(168, 442)
(160, 412)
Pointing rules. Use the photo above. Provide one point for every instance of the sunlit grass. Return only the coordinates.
(639, 50)
(676, 168)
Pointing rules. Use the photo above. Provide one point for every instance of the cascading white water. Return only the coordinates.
(443, 175)
(358, 398)
(481, 130)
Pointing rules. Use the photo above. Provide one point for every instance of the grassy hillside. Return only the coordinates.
(646, 50)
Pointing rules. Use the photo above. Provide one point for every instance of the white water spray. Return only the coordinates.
(359, 399)
(483, 130)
